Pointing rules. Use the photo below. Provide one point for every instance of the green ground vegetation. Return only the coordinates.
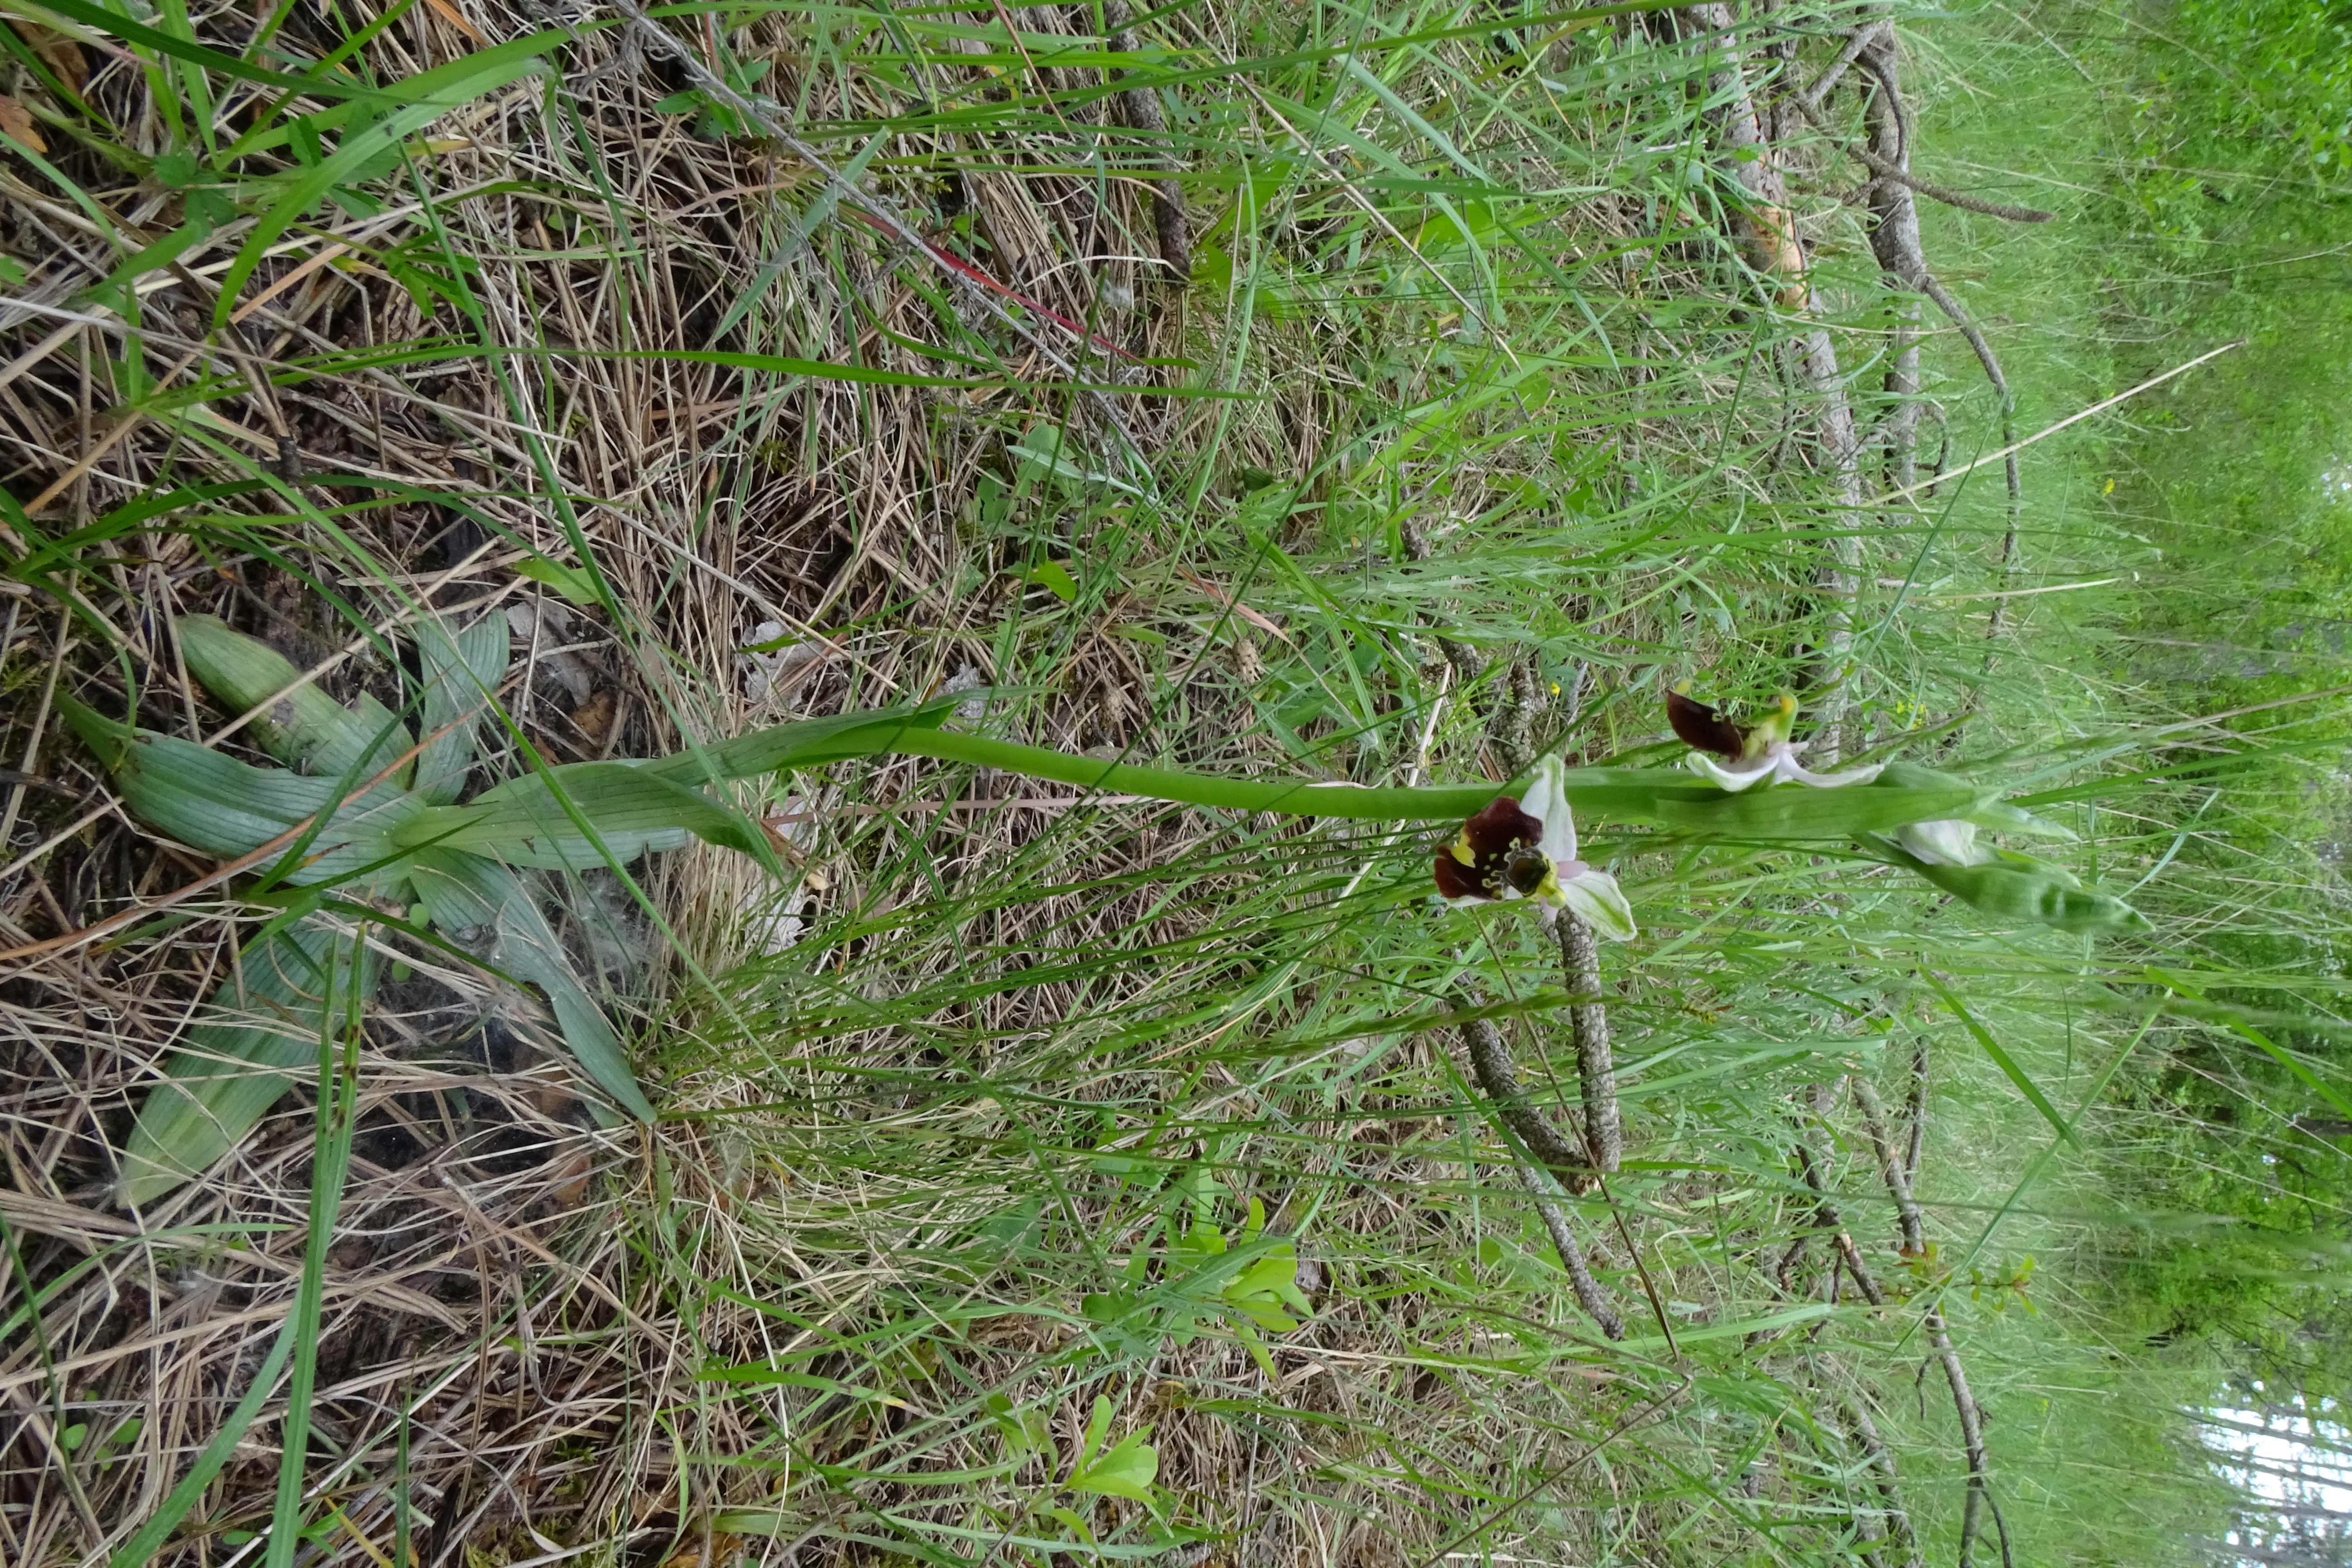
(1039, 1176)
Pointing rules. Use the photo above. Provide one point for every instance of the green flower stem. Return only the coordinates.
(1277, 795)
(1668, 797)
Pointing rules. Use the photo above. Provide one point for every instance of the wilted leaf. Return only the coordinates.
(55, 50)
(16, 125)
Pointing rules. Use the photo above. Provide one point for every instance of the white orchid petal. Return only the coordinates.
(1547, 801)
(1790, 768)
(1595, 897)
(1730, 779)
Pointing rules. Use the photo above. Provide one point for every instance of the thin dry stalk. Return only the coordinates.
(1898, 1185)
(1777, 254)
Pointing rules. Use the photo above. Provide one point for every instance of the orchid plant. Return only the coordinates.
(1946, 850)
(364, 818)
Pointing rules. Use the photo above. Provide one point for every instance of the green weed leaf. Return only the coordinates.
(1125, 1469)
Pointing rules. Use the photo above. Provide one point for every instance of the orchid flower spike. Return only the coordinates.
(1526, 849)
(1738, 756)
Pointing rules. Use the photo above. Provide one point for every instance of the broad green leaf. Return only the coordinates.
(464, 892)
(1125, 1469)
(1056, 579)
(461, 674)
(1097, 1427)
(214, 802)
(305, 727)
(260, 1028)
(524, 822)
(569, 581)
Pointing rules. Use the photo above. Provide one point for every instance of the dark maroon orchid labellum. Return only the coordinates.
(1497, 848)
(1705, 729)
(1523, 849)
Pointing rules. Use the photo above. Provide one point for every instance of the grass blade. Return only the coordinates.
(2003, 1060)
(338, 1120)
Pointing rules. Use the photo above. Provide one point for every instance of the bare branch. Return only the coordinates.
(1596, 1068)
(1774, 251)
(1888, 168)
(1861, 40)
(1144, 113)
(1491, 1065)
(1939, 1336)
(1589, 1293)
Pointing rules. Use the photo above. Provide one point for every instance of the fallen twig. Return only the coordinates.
(1467, 665)
(1894, 240)
(1812, 96)
(1141, 104)
(1915, 1111)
